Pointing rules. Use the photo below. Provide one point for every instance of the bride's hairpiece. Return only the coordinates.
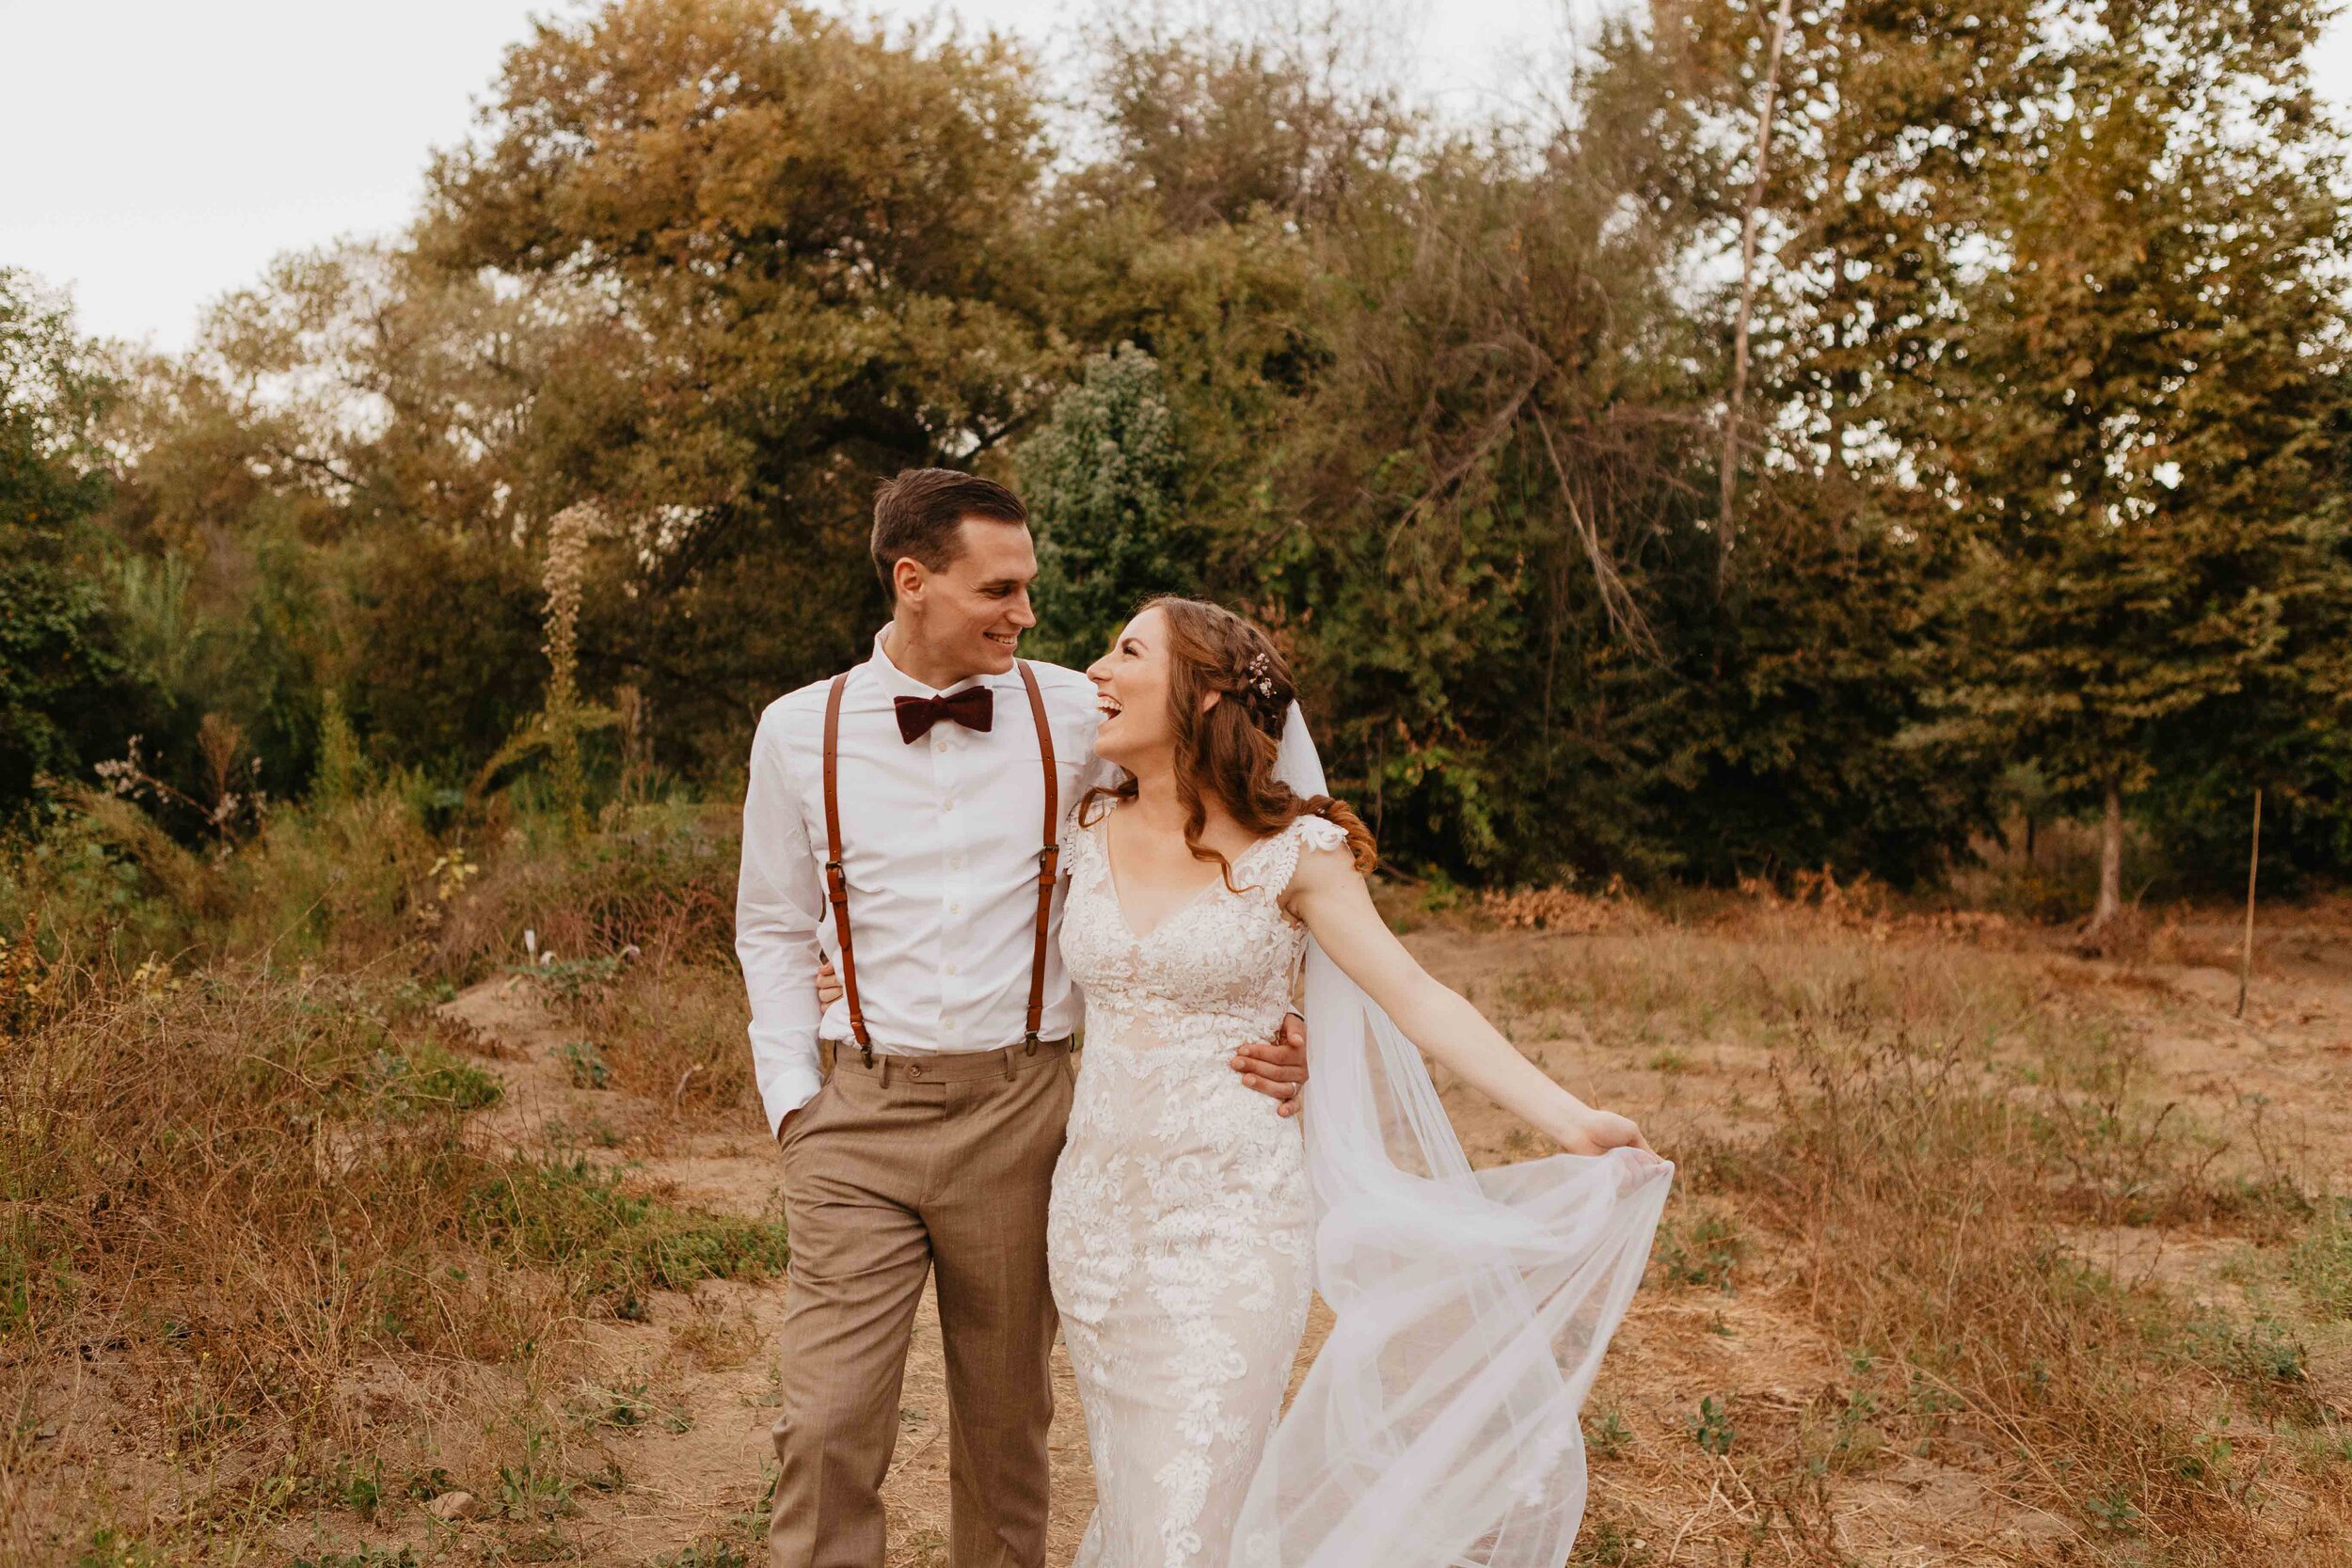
(1260, 676)
(1263, 692)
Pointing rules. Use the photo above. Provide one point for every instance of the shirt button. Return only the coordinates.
(939, 745)
(951, 969)
(950, 805)
(955, 908)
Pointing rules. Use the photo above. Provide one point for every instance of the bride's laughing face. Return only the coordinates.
(1131, 689)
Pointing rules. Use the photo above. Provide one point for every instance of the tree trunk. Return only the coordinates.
(2110, 863)
(1734, 409)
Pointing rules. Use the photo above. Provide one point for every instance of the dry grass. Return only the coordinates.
(634, 928)
(251, 1251)
(1983, 1252)
(676, 1034)
(1924, 1207)
(658, 882)
(1919, 1179)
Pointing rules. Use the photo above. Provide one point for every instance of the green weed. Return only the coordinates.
(1700, 1251)
(584, 1064)
(572, 1212)
(1609, 1546)
(1606, 1435)
(2321, 1261)
(1711, 1427)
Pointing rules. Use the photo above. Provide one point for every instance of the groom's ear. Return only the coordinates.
(907, 576)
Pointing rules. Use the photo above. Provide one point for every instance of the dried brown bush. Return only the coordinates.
(1560, 909)
(657, 878)
(246, 1234)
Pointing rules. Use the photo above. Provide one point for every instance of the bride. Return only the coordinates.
(1439, 1422)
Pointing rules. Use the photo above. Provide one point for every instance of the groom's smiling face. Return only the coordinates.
(970, 612)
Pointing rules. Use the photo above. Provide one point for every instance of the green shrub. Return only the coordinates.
(584, 1064)
(2321, 1263)
(100, 881)
(428, 1077)
(618, 1241)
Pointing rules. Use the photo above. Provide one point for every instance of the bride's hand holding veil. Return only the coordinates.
(1329, 895)
(1440, 1422)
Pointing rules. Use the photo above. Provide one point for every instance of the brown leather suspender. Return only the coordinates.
(838, 881)
(1048, 858)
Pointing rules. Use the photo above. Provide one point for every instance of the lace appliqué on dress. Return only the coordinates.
(1179, 1237)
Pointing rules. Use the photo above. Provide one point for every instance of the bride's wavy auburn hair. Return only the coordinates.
(1225, 751)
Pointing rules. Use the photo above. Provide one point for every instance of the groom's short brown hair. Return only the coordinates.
(917, 512)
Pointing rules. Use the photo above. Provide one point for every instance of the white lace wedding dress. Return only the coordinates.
(1471, 1309)
(1180, 1237)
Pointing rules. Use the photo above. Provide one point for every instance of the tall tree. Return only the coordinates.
(1212, 128)
(2150, 441)
(1885, 122)
(1101, 479)
(66, 690)
(812, 239)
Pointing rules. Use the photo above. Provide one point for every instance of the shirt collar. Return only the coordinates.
(897, 683)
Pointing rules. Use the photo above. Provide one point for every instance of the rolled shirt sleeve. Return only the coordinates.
(778, 907)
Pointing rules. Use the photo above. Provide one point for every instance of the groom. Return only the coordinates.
(902, 823)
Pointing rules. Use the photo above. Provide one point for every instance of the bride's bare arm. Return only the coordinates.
(1329, 896)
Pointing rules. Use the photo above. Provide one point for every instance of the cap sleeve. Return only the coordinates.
(1319, 832)
(1082, 850)
(1283, 849)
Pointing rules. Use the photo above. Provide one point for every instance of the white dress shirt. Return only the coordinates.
(940, 840)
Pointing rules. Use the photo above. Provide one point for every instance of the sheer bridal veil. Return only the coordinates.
(1437, 1425)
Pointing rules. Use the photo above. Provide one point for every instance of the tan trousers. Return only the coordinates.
(892, 1170)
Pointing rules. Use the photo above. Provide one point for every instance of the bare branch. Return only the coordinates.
(1625, 616)
(1496, 430)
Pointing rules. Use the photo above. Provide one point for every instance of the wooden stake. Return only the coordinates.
(2253, 863)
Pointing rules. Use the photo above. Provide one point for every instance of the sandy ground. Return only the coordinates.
(692, 1473)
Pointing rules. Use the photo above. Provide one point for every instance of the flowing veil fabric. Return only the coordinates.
(1438, 1424)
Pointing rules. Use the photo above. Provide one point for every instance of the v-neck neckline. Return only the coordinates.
(1119, 903)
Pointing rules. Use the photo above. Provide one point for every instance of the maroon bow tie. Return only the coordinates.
(974, 708)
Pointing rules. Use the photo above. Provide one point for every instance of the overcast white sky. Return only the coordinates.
(155, 153)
